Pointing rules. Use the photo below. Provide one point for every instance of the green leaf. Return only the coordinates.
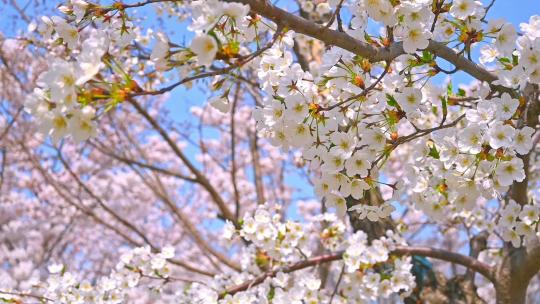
(433, 152)
(213, 35)
(279, 98)
(449, 89)
(216, 86)
(63, 271)
(325, 80)
(427, 57)
(271, 294)
(461, 92)
(444, 102)
(367, 37)
(391, 118)
(391, 101)
(235, 45)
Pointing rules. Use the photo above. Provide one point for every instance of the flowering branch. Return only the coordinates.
(22, 295)
(286, 269)
(344, 41)
(448, 256)
(440, 254)
(341, 110)
(238, 64)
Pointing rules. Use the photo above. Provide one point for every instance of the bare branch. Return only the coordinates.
(137, 163)
(205, 183)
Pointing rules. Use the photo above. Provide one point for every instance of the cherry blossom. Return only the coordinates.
(314, 151)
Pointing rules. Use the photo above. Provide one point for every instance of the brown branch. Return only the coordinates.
(255, 157)
(203, 181)
(186, 80)
(336, 287)
(487, 8)
(439, 254)
(448, 256)
(3, 151)
(185, 220)
(519, 265)
(286, 269)
(419, 133)
(158, 189)
(477, 244)
(363, 93)
(47, 177)
(118, 5)
(234, 167)
(334, 15)
(108, 209)
(130, 161)
(25, 86)
(302, 60)
(154, 184)
(239, 63)
(24, 295)
(20, 11)
(54, 184)
(344, 41)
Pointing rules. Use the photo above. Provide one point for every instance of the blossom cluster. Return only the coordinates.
(347, 116)
(278, 240)
(370, 270)
(381, 275)
(65, 102)
(350, 118)
(62, 286)
(359, 124)
(518, 221)
(219, 24)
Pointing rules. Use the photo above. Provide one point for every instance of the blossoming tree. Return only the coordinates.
(425, 184)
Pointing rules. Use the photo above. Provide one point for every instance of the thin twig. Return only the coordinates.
(337, 284)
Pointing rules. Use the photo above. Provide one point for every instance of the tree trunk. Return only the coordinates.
(508, 293)
(374, 230)
(511, 284)
(519, 265)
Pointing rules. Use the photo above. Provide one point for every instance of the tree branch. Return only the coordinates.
(439, 254)
(107, 209)
(234, 167)
(129, 161)
(448, 256)
(286, 269)
(519, 265)
(344, 41)
(205, 183)
(48, 178)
